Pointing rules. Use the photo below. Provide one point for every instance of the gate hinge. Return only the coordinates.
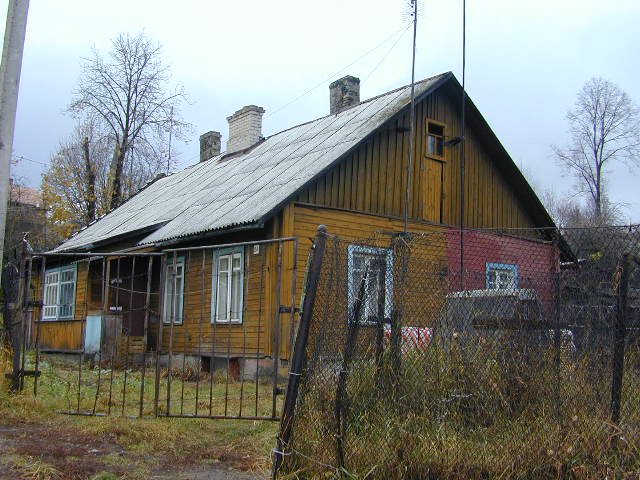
(287, 309)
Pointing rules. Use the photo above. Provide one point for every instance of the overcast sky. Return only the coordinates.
(526, 60)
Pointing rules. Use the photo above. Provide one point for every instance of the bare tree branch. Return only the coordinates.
(128, 92)
(605, 128)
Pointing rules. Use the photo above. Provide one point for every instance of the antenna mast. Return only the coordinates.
(462, 156)
(412, 131)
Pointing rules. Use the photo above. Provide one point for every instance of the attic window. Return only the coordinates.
(435, 139)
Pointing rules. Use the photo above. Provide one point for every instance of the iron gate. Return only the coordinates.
(200, 332)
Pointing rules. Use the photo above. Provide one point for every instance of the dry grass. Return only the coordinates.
(459, 414)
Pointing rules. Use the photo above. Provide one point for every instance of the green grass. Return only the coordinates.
(89, 388)
(143, 444)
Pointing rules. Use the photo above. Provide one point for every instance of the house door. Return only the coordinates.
(432, 179)
(127, 293)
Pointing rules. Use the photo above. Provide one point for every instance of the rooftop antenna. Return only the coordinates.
(412, 131)
(170, 132)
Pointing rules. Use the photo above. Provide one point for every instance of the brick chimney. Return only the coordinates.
(344, 93)
(245, 128)
(209, 145)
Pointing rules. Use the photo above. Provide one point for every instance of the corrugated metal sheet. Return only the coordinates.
(221, 193)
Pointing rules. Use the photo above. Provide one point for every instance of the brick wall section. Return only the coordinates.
(538, 262)
(245, 128)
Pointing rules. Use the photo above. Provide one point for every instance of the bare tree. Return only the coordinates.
(128, 92)
(77, 185)
(605, 128)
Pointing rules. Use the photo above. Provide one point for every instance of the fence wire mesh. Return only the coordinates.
(473, 354)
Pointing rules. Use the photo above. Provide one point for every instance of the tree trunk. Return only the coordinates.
(116, 190)
(598, 199)
(91, 183)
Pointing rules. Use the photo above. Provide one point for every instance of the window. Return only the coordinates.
(228, 286)
(174, 291)
(502, 276)
(435, 139)
(377, 263)
(59, 293)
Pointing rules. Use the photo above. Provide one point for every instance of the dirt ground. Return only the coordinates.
(36, 452)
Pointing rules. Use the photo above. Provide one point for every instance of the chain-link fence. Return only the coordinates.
(464, 355)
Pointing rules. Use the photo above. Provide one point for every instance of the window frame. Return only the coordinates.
(180, 319)
(491, 266)
(59, 271)
(353, 285)
(435, 156)
(230, 253)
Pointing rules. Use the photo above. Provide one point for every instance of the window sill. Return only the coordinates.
(169, 323)
(66, 319)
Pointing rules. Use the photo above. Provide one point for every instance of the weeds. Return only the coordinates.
(474, 410)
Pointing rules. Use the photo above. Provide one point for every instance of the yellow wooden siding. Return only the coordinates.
(197, 334)
(357, 226)
(61, 336)
(373, 178)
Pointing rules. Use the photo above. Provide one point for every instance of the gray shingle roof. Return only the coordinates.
(222, 193)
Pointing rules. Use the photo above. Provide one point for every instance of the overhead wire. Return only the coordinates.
(325, 80)
(387, 54)
(401, 31)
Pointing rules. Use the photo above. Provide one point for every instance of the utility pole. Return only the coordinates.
(9, 81)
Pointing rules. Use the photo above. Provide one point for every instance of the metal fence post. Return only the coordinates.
(299, 352)
(17, 327)
(619, 338)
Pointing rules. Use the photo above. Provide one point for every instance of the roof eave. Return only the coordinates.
(87, 247)
(204, 235)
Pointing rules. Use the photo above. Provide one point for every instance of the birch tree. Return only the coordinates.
(604, 130)
(129, 92)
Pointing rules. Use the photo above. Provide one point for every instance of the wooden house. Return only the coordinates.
(347, 170)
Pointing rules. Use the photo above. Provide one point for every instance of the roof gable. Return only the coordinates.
(246, 189)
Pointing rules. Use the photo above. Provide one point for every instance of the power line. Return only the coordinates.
(387, 54)
(403, 29)
(22, 157)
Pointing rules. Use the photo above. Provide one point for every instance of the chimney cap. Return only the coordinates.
(246, 109)
(345, 79)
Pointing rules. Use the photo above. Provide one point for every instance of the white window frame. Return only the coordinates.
(58, 284)
(168, 277)
(354, 283)
(230, 254)
(492, 267)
